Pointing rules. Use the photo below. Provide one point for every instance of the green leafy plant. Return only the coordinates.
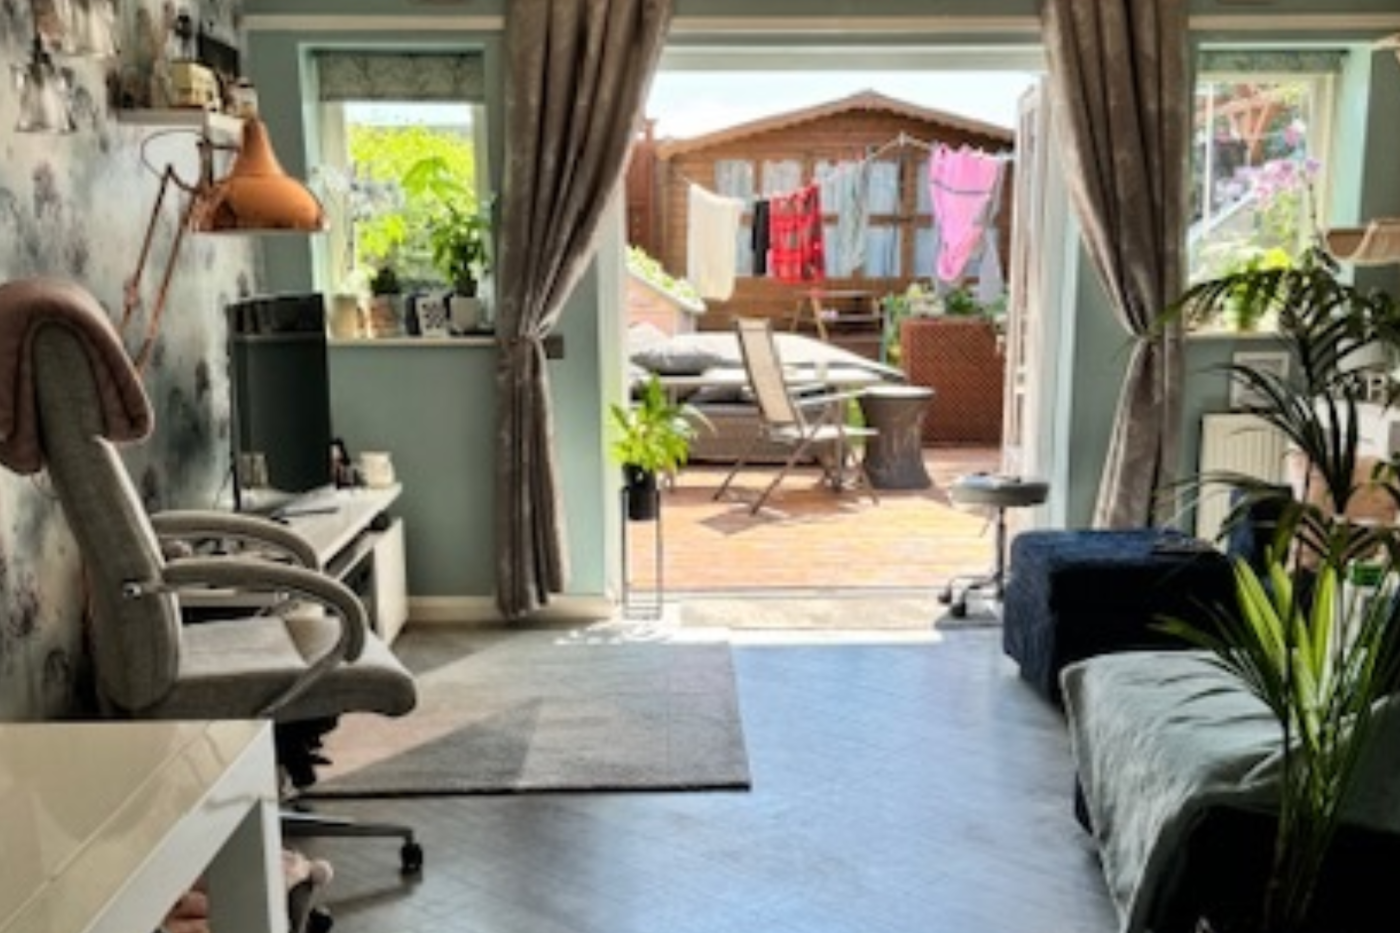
(1284, 640)
(459, 228)
(645, 267)
(920, 301)
(653, 434)
(391, 223)
(1245, 307)
(385, 281)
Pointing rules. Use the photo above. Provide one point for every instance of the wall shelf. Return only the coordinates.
(214, 123)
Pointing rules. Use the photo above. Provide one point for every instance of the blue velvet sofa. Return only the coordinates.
(1075, 594)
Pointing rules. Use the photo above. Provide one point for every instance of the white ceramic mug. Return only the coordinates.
(376, 468)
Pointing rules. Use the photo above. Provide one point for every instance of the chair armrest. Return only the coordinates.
(833, 406)
(255, 575)
(813, 401)
(194, 525)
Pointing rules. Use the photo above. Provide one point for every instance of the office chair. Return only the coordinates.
(306, 657)
(806, 422)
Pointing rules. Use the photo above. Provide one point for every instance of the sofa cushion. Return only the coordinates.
(676, 358)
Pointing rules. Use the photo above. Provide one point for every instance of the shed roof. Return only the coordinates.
(862, 101)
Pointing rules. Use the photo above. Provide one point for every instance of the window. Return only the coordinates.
(1259, 177)
(402, 139)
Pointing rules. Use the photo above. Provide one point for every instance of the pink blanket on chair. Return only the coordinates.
(25, 304)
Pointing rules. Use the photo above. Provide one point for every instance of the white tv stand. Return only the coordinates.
(358, 547)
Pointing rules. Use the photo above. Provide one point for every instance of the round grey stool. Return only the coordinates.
(998, 493)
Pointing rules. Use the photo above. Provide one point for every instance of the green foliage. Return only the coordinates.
(400, 234)
(919, 300)
(644, 266)
(385, 281)
(459, 228)
(1284, 642)
(654, 433)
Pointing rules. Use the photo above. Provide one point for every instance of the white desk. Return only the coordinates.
(338, 524)
(331, 519)
(104, 825)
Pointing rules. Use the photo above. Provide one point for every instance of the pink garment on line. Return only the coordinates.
(961, 183)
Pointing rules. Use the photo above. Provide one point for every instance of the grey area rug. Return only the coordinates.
(556, 710)
(828, 612)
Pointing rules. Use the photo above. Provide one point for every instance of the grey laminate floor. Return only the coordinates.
(911, 787)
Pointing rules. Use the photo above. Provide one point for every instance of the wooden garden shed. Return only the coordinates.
(890, 139)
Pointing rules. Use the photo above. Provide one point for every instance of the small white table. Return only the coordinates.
(104, 825)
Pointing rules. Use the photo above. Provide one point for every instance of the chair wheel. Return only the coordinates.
(319, 921)
(958, 610)
(946, 596)
(411, 858)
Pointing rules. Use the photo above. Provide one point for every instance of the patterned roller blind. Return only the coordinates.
(403, 76)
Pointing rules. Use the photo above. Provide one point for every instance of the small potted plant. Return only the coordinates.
(653, 436)
(385, 303)
(459, 235)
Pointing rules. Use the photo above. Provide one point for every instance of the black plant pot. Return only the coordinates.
(643, 499)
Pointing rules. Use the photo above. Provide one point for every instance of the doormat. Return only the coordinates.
(546, 710)
(832, 612)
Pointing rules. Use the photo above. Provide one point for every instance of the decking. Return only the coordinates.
(809, 538)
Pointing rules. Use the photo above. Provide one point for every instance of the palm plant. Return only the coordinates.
(1317, 660)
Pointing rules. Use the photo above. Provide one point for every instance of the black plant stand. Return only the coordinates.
(639, 604)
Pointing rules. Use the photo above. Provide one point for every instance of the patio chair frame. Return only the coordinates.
(785, 413)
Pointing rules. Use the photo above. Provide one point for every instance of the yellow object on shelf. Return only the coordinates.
(193, 85)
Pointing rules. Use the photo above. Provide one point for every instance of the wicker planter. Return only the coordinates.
(957, 357)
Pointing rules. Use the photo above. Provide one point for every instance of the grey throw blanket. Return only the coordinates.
(1160, 738)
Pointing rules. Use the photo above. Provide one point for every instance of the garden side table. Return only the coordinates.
(894, 457)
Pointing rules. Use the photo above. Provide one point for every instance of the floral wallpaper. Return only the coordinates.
(76, 206)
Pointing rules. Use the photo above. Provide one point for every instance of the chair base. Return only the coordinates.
(300, 824)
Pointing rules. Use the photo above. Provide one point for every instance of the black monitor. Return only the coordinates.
(279, 384)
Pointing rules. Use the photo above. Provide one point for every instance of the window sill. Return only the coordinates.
(1233, 335)
(473, 340)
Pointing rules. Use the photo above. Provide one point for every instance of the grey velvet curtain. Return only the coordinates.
(1118, 70)
(576, 80)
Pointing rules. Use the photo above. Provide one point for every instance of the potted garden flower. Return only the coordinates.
(651, 437)
(1318, 656)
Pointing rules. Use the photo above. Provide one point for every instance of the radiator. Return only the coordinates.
(1238, 443)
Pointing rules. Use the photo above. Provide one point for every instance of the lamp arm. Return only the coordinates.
(132, 293)
(131, 298)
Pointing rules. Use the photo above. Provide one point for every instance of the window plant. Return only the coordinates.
(459, 240)
(385, 303)
(1285, 642)
(651, 436)
(459, 230)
